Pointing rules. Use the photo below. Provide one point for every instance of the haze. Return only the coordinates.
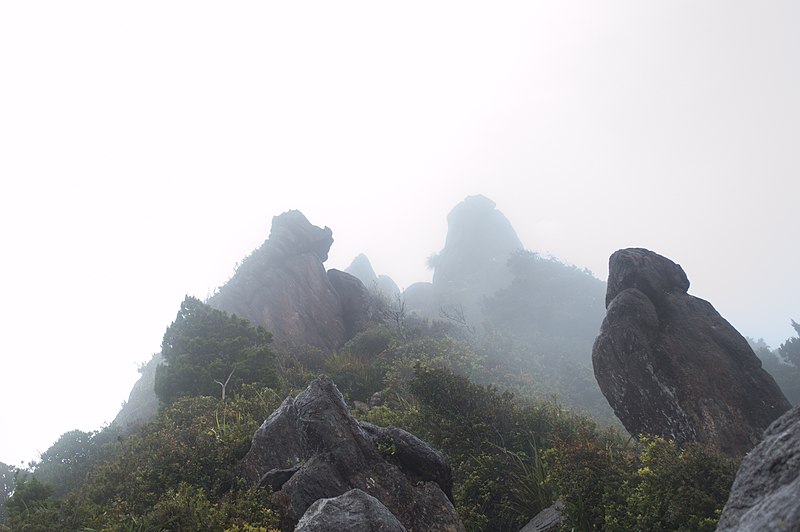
(145, 147)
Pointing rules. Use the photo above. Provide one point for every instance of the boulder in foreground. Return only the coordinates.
(766, 493)
(311, 448)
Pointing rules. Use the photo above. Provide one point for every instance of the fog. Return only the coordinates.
(144, 149)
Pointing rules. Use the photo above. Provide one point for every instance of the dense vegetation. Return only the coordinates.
(511, 456)
(208, 352)
(543, 325)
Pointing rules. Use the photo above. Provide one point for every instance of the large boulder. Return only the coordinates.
(766, 493)
(670, 365)
(284, 287)
(355, 511)
(312, 448)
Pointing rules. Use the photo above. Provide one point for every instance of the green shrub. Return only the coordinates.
(674, 489)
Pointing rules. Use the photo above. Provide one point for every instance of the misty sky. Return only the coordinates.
(145, 147)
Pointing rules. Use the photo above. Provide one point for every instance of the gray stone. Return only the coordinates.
(354, 511)
(418, 460)
(766, 493)
(670, 365)
(548, 520)
(332, 453)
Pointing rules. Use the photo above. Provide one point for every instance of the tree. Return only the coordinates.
(7, 477)
(206, 349)
(32, 506)
(790, 349)
(65, 463)
(786, 375)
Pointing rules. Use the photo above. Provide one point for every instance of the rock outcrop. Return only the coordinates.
(670, 365)
(284, 287)
(767, 487)
(355, 511)
(311, 448)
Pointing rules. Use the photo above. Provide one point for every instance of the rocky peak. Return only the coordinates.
(284, 287)
(292, 234)
(478, 237)
(670, 365)
(362, 268)
(646, 271)
(473, 263)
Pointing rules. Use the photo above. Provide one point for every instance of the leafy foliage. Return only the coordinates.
(179, 472)
(495, 442)
(208, 352)
(675, 489)
(32, 505)
(65, 464)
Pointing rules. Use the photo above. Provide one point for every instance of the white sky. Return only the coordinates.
(145, 147)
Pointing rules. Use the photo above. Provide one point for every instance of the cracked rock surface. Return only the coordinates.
(670, 365)
(311, 448)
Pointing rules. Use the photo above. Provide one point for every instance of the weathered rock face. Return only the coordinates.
(766, 492)
(283, 286)
(669, 364)
(355, 511)
(311, 448)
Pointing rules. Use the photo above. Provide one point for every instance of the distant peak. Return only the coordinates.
(362, 269)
